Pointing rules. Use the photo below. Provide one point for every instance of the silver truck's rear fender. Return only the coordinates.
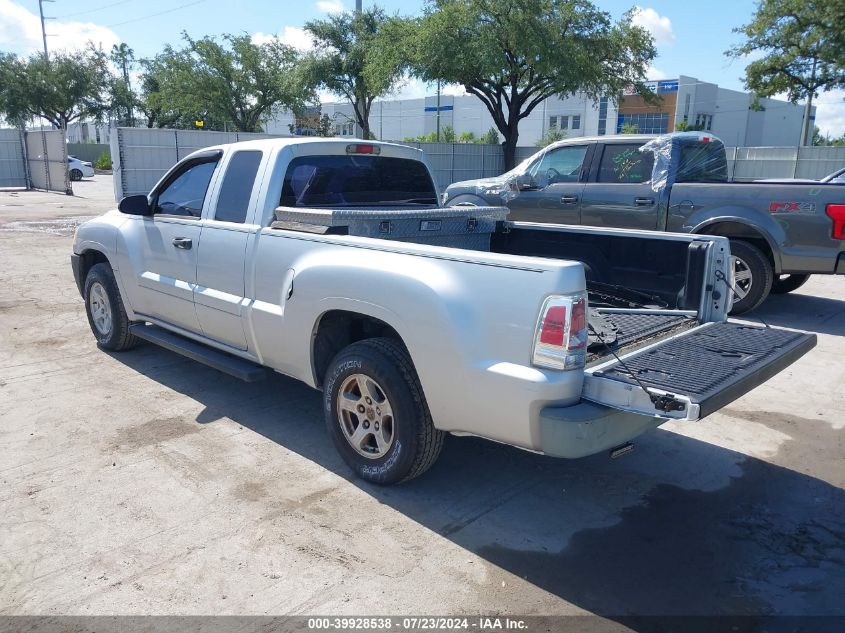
(467, 320)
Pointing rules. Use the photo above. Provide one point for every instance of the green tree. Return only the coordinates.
(345, 61)
(227, 82)
(514, 54)
(803, 47)
(551, 136)
(447, 135)
(71, 85)
(630, 128)
(686, 126)
(123, 99)
(490, 137)
(467, 137)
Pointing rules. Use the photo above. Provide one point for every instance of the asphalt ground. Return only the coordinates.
(144, 483)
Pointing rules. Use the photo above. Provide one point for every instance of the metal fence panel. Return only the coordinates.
(46, 157)
(141, 156)
(12, 163)
(754, 163)
(818, 162)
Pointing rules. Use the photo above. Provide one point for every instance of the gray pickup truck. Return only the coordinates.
(780, 233)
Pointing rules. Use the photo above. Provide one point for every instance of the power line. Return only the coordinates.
(153, 15)
(105, 6)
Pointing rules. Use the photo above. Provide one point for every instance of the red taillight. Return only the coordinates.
(561, 338)
(359, 148)
(836, 212)
(554, 325)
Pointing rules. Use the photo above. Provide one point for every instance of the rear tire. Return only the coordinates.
(787, 283)
(376, 413)
(754, 275)
(106, 314)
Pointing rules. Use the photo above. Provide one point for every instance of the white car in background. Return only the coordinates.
(79, 169)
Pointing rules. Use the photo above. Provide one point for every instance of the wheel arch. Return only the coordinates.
(467, 199)
(336, 329)
(88, 258)
(741, 229)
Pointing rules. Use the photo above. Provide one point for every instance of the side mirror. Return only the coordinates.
(524, 182)
(135, 205)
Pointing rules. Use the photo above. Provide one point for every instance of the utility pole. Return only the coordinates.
(43, 30)
(808, 107)
(358, 7)
(438, 111)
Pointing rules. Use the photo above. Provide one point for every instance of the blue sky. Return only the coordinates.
(691, 37)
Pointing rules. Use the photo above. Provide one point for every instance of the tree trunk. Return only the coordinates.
(511, 135)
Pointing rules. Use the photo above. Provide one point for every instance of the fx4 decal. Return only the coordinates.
(792, 207)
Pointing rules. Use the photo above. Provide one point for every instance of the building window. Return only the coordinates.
(651, 123)
(345, 129)
(602, 116)
(704, 121)
(576, 122)
(552, 122)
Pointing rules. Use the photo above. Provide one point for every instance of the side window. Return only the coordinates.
(185, 194)
(236, 190)
(563, 164)
(625, 164)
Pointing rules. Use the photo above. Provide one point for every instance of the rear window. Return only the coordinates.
(625, 164)
(356, 181)
(702, 162)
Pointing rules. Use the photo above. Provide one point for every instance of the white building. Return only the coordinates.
(729, 114)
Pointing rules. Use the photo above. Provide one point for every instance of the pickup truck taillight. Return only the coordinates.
(560, 341)
(836, 212)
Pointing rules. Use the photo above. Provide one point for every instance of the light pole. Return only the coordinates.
(43, 30)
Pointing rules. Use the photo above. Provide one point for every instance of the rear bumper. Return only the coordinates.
(587, 428)
(840, 265)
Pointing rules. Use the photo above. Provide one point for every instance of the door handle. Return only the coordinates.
(568, 199)
(183, 242)
(644, 202)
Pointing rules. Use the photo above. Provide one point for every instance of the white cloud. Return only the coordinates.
(294, 36)
(20, 32)
(655, 73)
(658, 25)
(830, 113)
(330, 6)
(454, 90)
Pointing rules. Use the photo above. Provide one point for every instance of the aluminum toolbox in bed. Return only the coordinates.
(457, 227)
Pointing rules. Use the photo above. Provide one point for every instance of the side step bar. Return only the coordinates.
(228, 364)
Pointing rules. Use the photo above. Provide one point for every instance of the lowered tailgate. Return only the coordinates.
(695, 373)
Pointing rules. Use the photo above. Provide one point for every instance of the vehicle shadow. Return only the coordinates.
(803, 312)
(680, 527)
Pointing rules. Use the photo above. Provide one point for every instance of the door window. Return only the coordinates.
(184, 195)
(625, 164)
(559, 165)
(236, 190)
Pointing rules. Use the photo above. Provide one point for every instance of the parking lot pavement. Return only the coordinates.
(142, 482)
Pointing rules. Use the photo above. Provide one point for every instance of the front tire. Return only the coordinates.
(753, 275)
(376, 413)
(787, 283)
(106, 314)
(75, 175)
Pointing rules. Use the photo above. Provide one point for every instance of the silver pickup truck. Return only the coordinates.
(329, 261)
(780, 233)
